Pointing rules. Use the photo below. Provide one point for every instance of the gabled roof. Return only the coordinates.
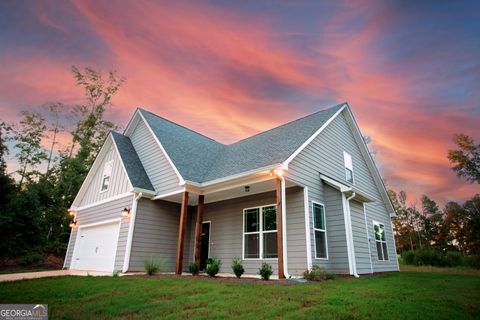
(131, 162)
(200, 159)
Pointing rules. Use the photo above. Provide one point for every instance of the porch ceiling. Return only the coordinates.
(231, 193)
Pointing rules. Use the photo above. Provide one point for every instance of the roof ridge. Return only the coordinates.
(290, 122)
(181, 126)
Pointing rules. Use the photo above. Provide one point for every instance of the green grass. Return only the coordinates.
(451, 270)
(406, 295)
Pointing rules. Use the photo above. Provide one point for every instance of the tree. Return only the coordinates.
(55, 127)
(7, 184)
(466, 159)
(472, 211)
(28, 136)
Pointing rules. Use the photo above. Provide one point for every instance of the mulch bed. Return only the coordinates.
(201, 277)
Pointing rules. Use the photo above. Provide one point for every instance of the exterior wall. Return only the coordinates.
(102, 212)
(227, 231)
(119, 182)
(155, 233)
(360, 238)
(156, 165)
(325, 155)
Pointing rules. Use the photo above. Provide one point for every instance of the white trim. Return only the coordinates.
(68, 248)
(119, 196)
(180, 178)
(334, 183)
(348, 234)
(260, 232)
(368, 238)
(131, 227)
(308, 239)
(306, 143)
(375, 222)
(73, 263)
(168, 194)
(317, 229)
(145, 192)
(284, 229)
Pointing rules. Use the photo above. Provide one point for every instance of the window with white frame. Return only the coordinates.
(106, 177)
(348, 167)
(380, 240)
(320, 230)
(260, 232)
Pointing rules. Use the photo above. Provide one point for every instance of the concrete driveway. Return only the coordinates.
(53, 273)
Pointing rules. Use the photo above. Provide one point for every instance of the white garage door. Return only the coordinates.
(96, 247)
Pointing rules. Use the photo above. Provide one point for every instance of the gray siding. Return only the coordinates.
(156, 165)
(325, 155)
(360, 239)
(226, 231)
(106, 211)
(119, 182)
(155, 234)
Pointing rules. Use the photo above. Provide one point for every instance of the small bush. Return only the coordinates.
(471, 261)
(265, 271)
(115, 273)
(237, 267)
(317, 273)
(428, 257)
(408, 257)
(453, 259)
(193, 268)
(213, 266)
(30, 259)
(153, 265)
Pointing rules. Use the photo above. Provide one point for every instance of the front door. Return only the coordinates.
(205, 245)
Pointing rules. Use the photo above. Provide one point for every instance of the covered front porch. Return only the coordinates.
(244, 218)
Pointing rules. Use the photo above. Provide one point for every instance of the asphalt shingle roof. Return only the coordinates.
(200, 159)
(135, 171)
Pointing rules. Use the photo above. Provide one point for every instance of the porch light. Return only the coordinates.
(278, 172)
(73, 224)
(72, 213)
(126, 212)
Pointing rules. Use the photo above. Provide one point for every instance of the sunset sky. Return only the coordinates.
(410, 70)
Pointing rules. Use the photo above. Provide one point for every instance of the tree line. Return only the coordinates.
(34, 207)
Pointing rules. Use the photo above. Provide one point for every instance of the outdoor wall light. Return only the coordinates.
(72, 213)
(126, 212)
(247, 188)
(73, 224)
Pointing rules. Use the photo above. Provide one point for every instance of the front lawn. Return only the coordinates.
(388, 296)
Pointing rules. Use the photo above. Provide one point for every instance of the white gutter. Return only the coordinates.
(308, 239)
(348, 225)
(133, 214)
(284, 229)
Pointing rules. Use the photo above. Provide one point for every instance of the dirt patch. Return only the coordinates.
(47, 262)
(243, 280)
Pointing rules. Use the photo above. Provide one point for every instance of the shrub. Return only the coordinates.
(408, 257)
(213, 266)
(153, 265)
(30, 259)
(265, 271)
(237, 267)
(471, 261)
(317, 273)
(453, 259)
(429, 257)
(193, 268)
(116, 274)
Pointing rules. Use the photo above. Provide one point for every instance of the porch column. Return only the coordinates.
(281, 273)
(198, 229)
(181, 233)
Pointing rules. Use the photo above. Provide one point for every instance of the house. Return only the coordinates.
(307, 192)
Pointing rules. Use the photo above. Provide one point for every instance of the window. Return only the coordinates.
(348, 167)
(319, 228)
(107, 173)
(380, 241)
(260, 232)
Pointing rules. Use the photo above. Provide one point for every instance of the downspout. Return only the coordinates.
(133, 214)
(354, 265)
(284, 230)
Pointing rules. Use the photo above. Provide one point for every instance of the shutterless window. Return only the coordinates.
(106, 177)
(320, 230)
(260, 232)
(348, 167)
(380, 241)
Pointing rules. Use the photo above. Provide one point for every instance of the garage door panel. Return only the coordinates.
(97, 246)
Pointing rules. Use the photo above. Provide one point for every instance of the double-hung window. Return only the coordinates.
(260, 232)
(380, 240)
(320, 230)
(348, 167)
(106, 177)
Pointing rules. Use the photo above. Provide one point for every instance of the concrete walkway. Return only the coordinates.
(53, 273)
